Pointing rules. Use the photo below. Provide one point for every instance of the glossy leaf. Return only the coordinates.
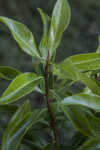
(22, 35)
(19, 130)
(81, 58)
(13, 136)
(95, 124)
(87, 100)
(84, 61)
(91, 83)
(44, 41)
(59, 22)
(92, 144)
(76, 116)
(17, 117)
(20, 86)
(65, 71)
(8, 72)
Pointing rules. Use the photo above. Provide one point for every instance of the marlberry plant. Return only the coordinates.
(79, 113)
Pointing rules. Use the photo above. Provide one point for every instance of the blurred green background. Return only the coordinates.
(81, 35)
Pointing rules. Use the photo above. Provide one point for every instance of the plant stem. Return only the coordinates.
(49, 104)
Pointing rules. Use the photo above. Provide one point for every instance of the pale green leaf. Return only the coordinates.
(8, 72)
(20, 86)
(63, 71)
(89, 61)
(44, 41)
(87, 100)
(59, 22)
(22, 35)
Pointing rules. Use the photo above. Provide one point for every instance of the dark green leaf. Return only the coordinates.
(17, 117)
(76, 116)
(18, 126)
(92, 144)
(8, 72)
(50, 81)
(8, 109)
(95, 124)
(22, 35)
(20, 86)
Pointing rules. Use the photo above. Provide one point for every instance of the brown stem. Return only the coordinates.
(49, 104)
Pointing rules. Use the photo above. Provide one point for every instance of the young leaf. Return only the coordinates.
(22, 35)
(87, 100)
(59, 22)
(44, 41)
(20, 86)
(8, 72)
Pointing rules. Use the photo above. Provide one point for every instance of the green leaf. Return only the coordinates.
(8, 72)
(46, 20)
(87, 100)
(91, 83)
(50, 81)
(8, 109)
(95, 124)
(20, 86)
(22, 35)
(33, 140)
(89, 61)
(50, 146)
(17, 117)
(14, 134)
(77, 140)
(98, 50)
(63, 71)
(59, 22)
(76, 116)
(92, 144)
(44, 41)
(64, 84)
